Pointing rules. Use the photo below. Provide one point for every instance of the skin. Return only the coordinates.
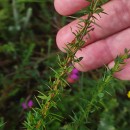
(106, 42)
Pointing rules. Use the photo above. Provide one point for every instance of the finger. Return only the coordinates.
(67, 7)
(118, 19)
(124, 74)
(104, 51)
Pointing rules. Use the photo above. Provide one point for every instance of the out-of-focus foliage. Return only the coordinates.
(27, 50)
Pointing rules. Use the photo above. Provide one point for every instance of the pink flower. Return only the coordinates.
(75, 71)
(27, 105)
(24, 105)
(73, 76)
(30, 103)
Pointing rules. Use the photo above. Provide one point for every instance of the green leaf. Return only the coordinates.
(101, 95)
(99, 10)
(78, 59)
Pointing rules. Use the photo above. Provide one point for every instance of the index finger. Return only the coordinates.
(67, 7)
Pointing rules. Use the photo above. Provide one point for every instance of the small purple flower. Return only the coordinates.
(75, 71)
(27, 105)
(74, 76)
(24, 105)
(30, 103)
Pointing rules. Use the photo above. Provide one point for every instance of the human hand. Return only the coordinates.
(106, 42)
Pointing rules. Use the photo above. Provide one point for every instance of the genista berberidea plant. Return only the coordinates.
(42, 117)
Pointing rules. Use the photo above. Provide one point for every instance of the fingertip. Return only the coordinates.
(58, 7)
(124, 73)
(64, 37)
(94, 56)
(80, 67)
(121, 75)
(61, 39)
(83, 65)
(68, 7)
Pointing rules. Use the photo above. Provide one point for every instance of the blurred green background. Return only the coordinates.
(27, 50)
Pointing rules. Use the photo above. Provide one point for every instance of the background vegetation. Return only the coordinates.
(27, 51)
